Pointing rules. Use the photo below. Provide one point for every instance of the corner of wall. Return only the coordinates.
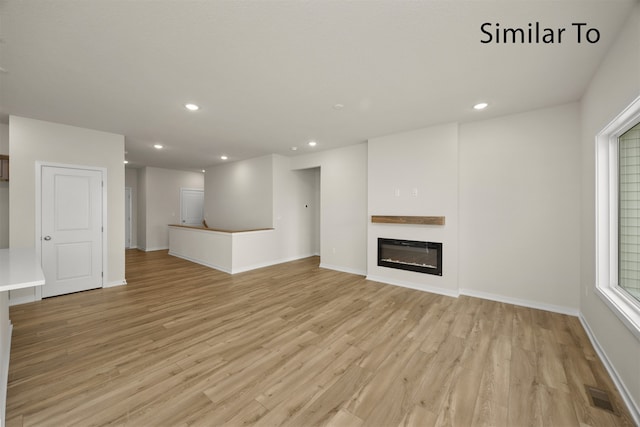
(633, 406)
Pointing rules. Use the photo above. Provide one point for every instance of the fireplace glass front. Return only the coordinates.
(412, 255)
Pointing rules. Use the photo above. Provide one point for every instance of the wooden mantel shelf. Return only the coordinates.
(422, 220)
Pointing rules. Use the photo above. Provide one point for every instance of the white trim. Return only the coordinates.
(416, 286)
(164, 248)
(38, 214)
(633, 408)
(105, 225)
(606, 184)
(197, 261)
(114, 284)
(521, 302)
(477, 294)
(243, 268)
(4, 374)
(128, 194)
(622, 307)
(343, 269)
(38, 230)
(267, 264)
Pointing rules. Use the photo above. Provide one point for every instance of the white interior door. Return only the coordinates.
(71, 229)
(191, 206)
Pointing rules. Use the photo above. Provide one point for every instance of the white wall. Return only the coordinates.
(292, 195)
(206, 247)
(131, 181)
(519, 208)
(343, 200)
(4, 190)
(614, 86)
(159, 203)
(35, 140)
(425, 163)
(513, 181)
(318, 202)
(239, 196)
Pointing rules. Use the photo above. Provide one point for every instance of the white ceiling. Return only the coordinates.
(267, 74)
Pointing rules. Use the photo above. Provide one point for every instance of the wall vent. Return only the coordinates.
(600, 399)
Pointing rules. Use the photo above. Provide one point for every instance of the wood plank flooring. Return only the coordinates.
(294, 345)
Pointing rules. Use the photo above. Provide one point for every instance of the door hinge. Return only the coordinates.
(102, 229)
(102, 274)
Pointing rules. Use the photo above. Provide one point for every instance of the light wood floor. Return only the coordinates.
(293, 344)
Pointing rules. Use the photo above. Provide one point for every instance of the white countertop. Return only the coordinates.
(19, 268)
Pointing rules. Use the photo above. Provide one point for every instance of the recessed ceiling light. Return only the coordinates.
(224, 157)
(158, 146)
(338, 106)
(126, 161)
(191, 107)
(312, 143)
(294, 148)
(480, 106)
(203, 171)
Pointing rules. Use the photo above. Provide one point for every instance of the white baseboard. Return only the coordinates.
(269, 263)
(477, 294)
(343, 269)
(114, 284)
(243, 268)
(197, 261)
(154, 249)
(622, 389)
(521, 302)
(22, 300)
(413, 285)
(31, 298)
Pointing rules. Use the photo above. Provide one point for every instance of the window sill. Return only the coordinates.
(621, 305)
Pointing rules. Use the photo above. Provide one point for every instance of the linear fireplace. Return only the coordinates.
(412, 255)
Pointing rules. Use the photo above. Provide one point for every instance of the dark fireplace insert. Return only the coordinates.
(412, 255)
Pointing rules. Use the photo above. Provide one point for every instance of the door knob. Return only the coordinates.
(47, 237)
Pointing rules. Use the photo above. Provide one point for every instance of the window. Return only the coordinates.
(618, 216)
(629, 211)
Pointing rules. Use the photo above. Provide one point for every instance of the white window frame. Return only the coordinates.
(620, 302)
